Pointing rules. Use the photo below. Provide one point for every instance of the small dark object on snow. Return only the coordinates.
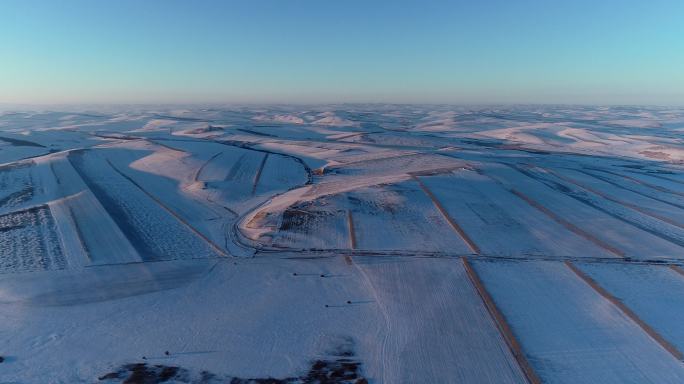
(2, 359)
(322, 275)
(348, 301)
(294, 274)
(144, 358)
(166, 353)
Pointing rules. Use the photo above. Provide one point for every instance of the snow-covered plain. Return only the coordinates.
(342, 244)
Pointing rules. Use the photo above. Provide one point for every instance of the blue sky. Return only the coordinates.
(299, 51)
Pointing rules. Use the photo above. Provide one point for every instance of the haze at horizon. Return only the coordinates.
(77, 51)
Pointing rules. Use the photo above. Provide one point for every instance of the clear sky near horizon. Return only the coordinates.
(302, 51)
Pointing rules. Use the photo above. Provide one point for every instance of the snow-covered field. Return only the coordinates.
(342, 244)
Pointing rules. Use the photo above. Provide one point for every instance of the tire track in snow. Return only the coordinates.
(385, 314)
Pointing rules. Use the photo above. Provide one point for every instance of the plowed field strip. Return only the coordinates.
(501, 324)
(457, 228)
(628, 312)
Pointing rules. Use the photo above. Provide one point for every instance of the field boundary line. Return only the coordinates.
(658, 176)
(201, 168)
(637, 208)
(352, 230)
(657, 337)
(454, 225)
(501, 324)
(568, 225)
(258, 174)
(641, 182)
(169, 210)
(677, 269)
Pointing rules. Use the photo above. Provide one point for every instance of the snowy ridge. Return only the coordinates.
(342, 244)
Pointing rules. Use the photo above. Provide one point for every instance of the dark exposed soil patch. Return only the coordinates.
(142, 373)
(339, 367)
(295, 219)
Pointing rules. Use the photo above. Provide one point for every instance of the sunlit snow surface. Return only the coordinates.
(342, 244)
